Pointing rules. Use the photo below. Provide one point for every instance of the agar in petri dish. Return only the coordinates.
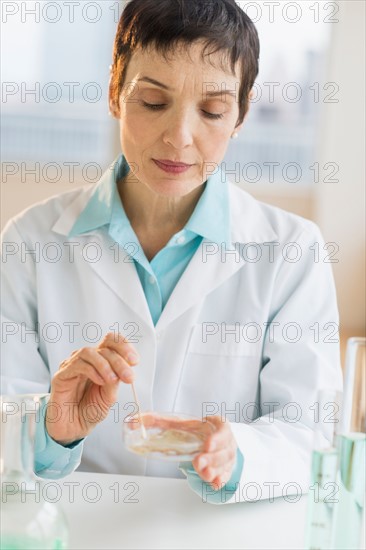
(169, 436)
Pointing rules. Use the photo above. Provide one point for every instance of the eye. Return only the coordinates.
(152, 106)
(158, 107)
(213, 115)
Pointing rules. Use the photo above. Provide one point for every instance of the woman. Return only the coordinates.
(181, 281)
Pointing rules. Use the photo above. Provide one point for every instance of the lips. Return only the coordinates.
(168, 162)
(174, 167)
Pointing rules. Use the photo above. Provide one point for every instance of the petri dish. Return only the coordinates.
(169, 436)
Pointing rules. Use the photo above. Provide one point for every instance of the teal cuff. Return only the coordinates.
(205, 490)
(52, 460)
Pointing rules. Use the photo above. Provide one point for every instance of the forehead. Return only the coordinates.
(185, 59)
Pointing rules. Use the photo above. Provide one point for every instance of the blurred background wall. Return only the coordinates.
(302, 147)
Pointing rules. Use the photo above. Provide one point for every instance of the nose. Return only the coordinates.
(179, 130)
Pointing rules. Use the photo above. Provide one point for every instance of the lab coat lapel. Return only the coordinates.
(118, 271)
(214, 263)
(211, 265)
(115, 267)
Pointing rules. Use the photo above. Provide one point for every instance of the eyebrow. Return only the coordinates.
(165, 87)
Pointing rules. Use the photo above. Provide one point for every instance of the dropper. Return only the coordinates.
(143, 431)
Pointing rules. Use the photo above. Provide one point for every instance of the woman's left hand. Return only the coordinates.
(216, 463)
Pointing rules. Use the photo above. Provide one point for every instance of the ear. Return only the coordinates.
(238, 128)
(250, 97)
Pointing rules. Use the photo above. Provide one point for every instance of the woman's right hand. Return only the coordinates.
(85, 387)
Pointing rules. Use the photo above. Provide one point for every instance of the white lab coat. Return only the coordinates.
(247, 333)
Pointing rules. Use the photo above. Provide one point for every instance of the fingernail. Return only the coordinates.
(132, 357)
(203, 463)
(113, 376)
(128, 374)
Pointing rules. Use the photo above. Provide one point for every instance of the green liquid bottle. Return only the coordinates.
(321, 497)
(27, 520)
(349, 512)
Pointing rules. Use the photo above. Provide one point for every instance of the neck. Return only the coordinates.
(151, 212)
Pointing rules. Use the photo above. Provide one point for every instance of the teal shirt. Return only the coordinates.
(158, 277)
(210, 219)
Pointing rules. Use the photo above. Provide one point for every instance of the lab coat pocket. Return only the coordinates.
(220, 371)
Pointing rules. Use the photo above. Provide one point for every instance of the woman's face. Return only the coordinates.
(177, 120)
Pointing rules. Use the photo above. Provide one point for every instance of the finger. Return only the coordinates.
(209, 474)
(77, 368)
(209, 466)
(65, 363)
(120, 344)
(221, 480)
(103, 367)
(218, 459)
(122, 369)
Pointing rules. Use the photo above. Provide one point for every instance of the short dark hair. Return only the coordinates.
(164, 24)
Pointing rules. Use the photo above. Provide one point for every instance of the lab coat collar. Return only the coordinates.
(248, 220)
(239, 220)
(100, 207)
(85, 206)
(210, 218)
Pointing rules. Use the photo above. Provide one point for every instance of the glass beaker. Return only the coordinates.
(28, 520)
(351, 477)
(322, 493)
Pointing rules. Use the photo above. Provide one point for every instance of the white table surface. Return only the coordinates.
(169, 514)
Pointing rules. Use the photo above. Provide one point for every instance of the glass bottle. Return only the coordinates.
(321, 498)
(28, 520)
(351, 477)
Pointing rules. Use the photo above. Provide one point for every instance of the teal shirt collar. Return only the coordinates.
(210, 218)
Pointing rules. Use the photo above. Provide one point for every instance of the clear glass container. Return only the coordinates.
(348, 524)
(322, 491)
(28, 521)
(168, 436)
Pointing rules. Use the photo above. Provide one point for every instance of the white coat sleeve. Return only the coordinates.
(23, 368)
(300, 357)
